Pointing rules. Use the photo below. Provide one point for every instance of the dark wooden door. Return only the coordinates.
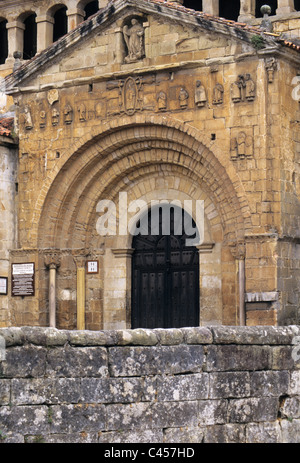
(165, 279)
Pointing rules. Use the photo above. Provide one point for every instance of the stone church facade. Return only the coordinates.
(152, 101)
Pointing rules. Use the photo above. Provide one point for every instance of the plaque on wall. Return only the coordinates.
(22, 279)
(3, 285)
(92, 267)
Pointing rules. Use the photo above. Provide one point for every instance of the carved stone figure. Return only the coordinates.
(200, 95)
(218, 93)
(28, 119)
(162, 101)
(82, 112)
(52, 96)
(134, 38)
(55, 116)
(250, 88)
(43, 119)
(68, 114)
(236, 90)
(183, 98)
(243, 88)
(241, 146)
(271, 66)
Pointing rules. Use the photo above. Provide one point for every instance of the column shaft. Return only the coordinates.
(80, 298)
(52, 297)
(211, 7)
(285, 6)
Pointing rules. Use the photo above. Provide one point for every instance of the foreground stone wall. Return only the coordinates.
(219, 384)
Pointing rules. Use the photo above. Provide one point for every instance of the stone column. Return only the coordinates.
(285, 6)
(15, 35)
(239, 253)
(44, 32)
(52, 262)
(75, 17)
(80, 264)
(247, 11)
(211, 7)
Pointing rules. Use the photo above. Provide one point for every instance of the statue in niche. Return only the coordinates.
(55, 117)
(218, 94)
(82, 112)
(250, 88)
(68, 114)
(134, 38)
(183, 98)
(162, 101)
(28, 119)
(200, 95)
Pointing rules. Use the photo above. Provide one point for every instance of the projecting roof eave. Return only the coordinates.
(170, 11)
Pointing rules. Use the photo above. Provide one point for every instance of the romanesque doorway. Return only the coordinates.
(165, 271)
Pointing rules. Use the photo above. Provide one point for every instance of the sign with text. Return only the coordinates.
(22, 281)
(3, 285)
(92, 266)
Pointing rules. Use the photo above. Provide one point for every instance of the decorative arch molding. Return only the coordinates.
(115, 150)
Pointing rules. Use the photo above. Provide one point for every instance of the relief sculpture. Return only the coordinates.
(243, 89)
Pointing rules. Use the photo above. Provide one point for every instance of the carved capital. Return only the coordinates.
(238, 250)
(52, 260)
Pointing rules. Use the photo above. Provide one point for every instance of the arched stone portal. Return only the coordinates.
(154, 160)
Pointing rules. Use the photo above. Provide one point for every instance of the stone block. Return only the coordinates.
(139, 361)
(4, 391)
(225, 434)
(45, 391)
(269, 383)
(212, 412)
(282, 358)
(186, 387)
(148, 436)
(290, 407)
(24, 419)
(77, 362)
(132, 416)
(263, 433)
(228, 384)
(290, 431)
(183, 435)
(253, 409)
(118, 390)
(174, 414)
(77, 418)
(234, 357)
(24, 362)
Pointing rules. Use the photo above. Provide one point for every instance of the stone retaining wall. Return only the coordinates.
(218, 384)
